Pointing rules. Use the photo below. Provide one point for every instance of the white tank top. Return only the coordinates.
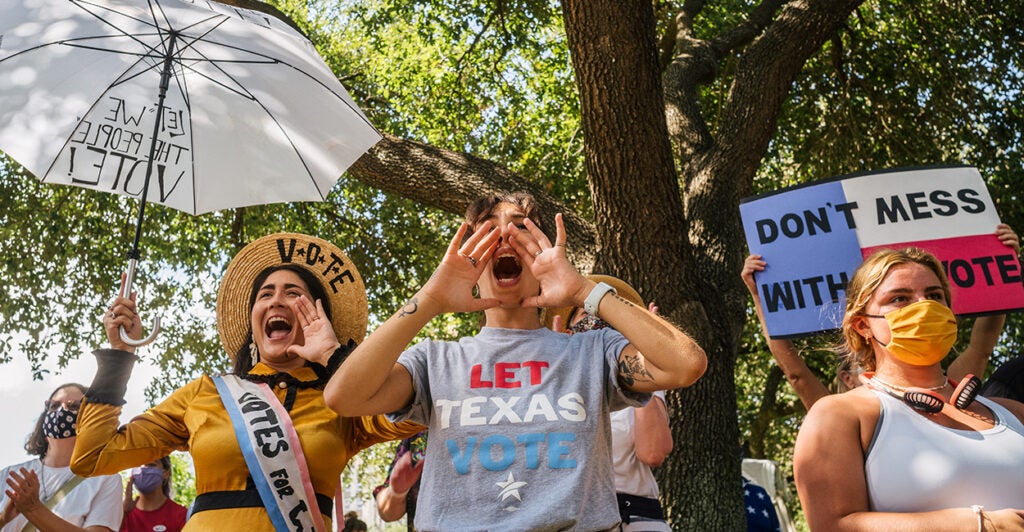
(915, 465)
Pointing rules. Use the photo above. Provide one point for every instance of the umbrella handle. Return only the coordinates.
(154, 330)
(129, 278)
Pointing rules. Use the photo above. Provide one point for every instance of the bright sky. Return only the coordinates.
(21, 398)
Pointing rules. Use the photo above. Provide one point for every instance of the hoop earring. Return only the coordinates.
(254, 353)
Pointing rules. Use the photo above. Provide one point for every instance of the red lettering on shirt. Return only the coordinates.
(475, 378)
(507, 374)
(535, 370)
(504, 374)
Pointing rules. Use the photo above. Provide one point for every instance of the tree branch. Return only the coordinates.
(766, 71)
(449, 180)
(498, 12)
(744, 33)
(694, 64)
(721, 174)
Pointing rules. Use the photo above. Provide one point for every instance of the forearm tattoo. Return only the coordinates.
(624, 300)
(410, 307)
(632, 370)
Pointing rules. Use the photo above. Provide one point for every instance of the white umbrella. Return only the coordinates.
(198, 106)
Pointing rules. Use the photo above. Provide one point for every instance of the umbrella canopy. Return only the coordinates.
(198, 106)
(252, 114)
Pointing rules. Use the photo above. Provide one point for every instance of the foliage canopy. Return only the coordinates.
(893, 84)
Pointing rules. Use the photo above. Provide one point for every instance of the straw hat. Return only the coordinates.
(346, 294)
(621, 287)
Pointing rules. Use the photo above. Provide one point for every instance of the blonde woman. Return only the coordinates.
(910, 450)
(972, 360)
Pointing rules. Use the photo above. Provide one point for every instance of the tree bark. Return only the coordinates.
(643, 234)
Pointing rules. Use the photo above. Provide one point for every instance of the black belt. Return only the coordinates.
(219, 500)
(630, 505)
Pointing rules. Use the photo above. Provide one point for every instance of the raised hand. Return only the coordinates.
(128, 503)
(753, 263)
(319, 339)
(122, 313)
(451, 285)
(561, 285)
(23, 490)
(405, 474)
(1006, 235)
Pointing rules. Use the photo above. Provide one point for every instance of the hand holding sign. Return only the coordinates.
(1009, 239)
(816, 235)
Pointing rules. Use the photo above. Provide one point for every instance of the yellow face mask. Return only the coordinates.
(922, 332)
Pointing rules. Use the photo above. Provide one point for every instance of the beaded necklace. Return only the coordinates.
(902, 389)
(42, 482)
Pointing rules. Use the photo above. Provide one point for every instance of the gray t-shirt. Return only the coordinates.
(519, 429)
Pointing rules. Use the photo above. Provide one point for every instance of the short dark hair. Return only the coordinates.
(243, 363)
(480, 208)
(36, 443)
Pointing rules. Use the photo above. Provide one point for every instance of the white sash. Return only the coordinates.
(273, 454)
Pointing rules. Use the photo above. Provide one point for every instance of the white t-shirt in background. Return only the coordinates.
(95, 501)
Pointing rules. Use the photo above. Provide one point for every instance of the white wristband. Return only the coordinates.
(594, 298)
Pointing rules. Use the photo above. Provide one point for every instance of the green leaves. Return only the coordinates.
(902, 84)
(64, 248)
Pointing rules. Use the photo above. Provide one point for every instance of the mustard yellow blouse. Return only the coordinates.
(194, 419)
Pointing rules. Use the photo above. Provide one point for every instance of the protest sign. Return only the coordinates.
(814, 236)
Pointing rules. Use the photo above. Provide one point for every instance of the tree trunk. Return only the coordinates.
(643, 231)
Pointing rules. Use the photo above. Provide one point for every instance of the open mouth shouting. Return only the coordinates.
(277, 328)
(275, 324)
(507, 269)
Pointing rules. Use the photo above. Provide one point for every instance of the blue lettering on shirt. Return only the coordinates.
(498, 453)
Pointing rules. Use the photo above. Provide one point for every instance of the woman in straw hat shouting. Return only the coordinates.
(267, 451)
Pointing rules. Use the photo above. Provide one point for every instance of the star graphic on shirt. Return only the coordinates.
(750, 509)
(510, 488)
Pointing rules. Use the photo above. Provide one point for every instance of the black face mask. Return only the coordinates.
(60, 423)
